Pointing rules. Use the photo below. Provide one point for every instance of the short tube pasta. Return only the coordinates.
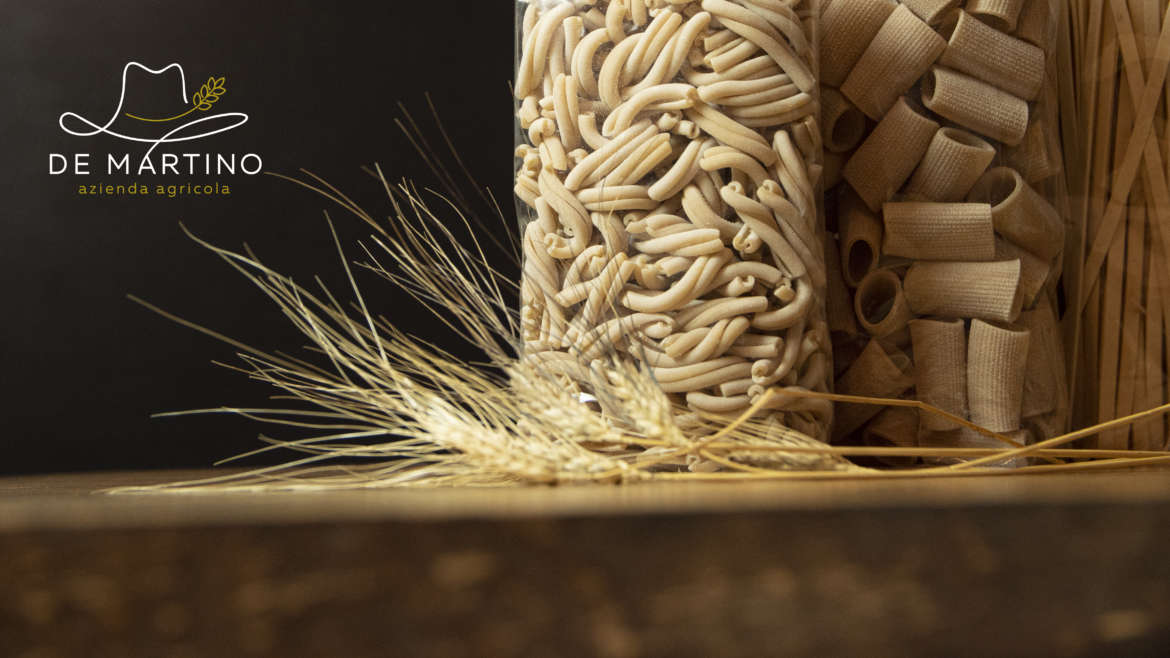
(997, 357)
(999, 59)
(1034, 271)
(842, 123)
(965, 290)
(976, 105)
(952, 164)
(933, 12)
(861, 239)
(999, 14)
(1020, 213)
(902, 50)
(848, 27)
(940, 361)
(881, 305)
(939, 231)
(875, 373)
(947, 210)
(887, 157)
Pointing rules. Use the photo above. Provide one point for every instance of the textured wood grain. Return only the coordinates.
(1049, 565)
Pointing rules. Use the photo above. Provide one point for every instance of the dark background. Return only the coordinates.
(82, 368)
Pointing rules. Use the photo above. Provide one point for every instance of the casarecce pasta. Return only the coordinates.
(670, 173)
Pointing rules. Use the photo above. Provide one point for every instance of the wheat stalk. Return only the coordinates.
(209, 93)
(420, 416)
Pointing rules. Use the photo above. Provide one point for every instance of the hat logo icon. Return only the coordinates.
(189, 119)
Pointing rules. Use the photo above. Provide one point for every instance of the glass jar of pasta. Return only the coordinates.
(945, 193)
(668, 177)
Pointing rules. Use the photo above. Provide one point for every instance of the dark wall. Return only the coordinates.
(82, 368)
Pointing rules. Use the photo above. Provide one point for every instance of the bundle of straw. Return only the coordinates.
(395, 410)
(1115, 121)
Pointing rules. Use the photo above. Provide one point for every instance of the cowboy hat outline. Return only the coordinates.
(177, 134)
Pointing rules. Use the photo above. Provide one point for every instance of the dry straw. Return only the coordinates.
(394, 410)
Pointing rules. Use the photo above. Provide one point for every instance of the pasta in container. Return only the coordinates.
(948, 207)
(668, 177)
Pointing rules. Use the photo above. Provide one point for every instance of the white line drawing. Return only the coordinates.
(234, 119)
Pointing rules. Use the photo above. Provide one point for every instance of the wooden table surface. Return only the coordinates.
(1039, 565)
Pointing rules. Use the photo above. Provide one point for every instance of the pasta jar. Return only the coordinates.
(943, 169)
(668, 176)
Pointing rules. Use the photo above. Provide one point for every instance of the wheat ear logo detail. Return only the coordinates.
(203, 99)
(208, 94)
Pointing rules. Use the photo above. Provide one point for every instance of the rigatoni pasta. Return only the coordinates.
(965, 290)
(940, 353)
(939, 231)
(667, 182)
(975, 104)
(849, 27)
(889, 154)
(997, 358)
(999, 59)
(901, 51)
(960, 166)
(952, 164)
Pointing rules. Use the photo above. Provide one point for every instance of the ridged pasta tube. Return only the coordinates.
(932, 12)
(843, 125)
(880, 304)
(999, 59)
(952, 163)
(939, 231)
(903, 49)
(874, 374)
(976, 105)
(847, 28)
(1034, 271)
(999, 14)
(997, 357)
(887, 157)
(940, 362)
(964, 290)
(1020, 213)
(861, 238)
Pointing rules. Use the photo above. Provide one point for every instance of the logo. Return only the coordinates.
(154, 108)
(180, 124)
